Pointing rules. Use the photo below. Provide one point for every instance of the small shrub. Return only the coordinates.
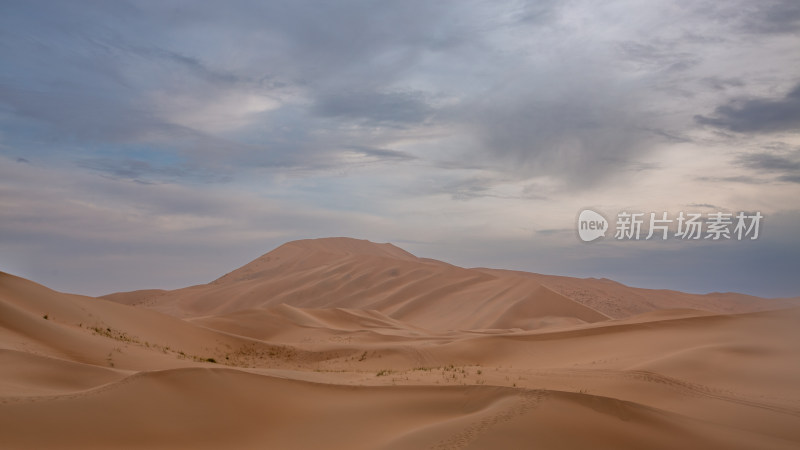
(44, 317)
(211, 360)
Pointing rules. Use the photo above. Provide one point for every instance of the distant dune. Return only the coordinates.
(134, 297)
(352, 273)
(343, 343)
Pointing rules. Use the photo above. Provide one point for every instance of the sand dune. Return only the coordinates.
(134, 297)
(341, 343)
(26, 374)
(286, 323)
(348, 273)
(203, 408)
(87, 330)
(351, 273)
(617, 300)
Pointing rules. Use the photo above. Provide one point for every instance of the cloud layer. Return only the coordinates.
(196, 128)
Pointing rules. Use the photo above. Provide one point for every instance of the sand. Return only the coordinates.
(344, 343)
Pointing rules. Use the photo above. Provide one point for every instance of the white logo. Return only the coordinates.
(634, 226)
(591, 225)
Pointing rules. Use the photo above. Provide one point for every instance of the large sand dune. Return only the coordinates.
(342, 343)
(351, 273)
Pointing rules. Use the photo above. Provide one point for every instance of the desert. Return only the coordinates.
(408, 225)
(345, 343)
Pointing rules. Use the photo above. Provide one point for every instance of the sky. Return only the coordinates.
(160, 144)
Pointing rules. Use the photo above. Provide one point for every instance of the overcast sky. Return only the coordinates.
(158, 144)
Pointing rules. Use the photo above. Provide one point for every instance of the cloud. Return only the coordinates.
(581, 139)
(384, 154)
(723, 83)
(743, 179)
(795, 178)
(768, 17)
(82, 116)
(195, 128)
(770, 162)
(146, 172)
(771, 17)
(704, 205)
(757, 115)
(466, 189)
(786, 166)
(192, 64)
(377, 108)
(658, 55)
(309, 78)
